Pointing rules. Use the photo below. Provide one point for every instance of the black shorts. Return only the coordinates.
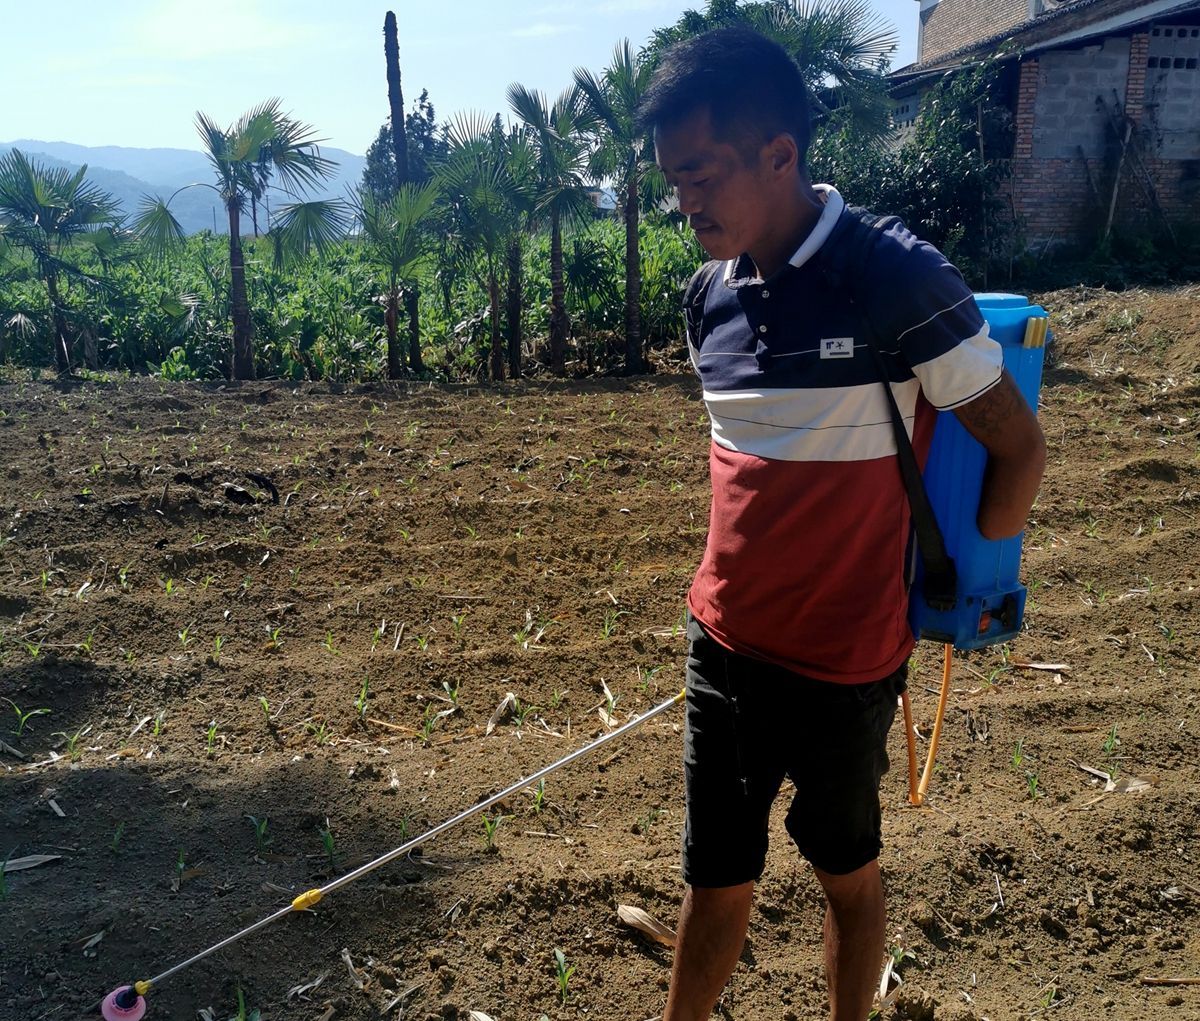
(750, 724)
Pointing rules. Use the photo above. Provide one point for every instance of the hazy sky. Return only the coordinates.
(133, 72)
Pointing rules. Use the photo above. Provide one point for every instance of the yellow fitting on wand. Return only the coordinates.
(1035, 331)
(306, 900)
(681, 696)
(141, 988)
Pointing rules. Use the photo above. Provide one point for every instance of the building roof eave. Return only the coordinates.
(912, 75)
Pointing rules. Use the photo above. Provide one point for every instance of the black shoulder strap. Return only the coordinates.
(696, 295)
(845, 258)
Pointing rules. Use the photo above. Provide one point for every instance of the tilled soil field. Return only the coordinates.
(252, 636)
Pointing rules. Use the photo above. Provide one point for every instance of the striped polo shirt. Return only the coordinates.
(809, 526)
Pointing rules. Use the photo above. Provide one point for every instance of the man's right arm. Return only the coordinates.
(1004, 423)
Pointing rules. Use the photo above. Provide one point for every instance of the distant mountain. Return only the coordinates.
(129, 174)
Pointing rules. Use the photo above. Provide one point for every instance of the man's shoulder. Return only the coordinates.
(881, 252)
(701, 281)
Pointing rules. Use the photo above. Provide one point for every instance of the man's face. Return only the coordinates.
(726, 200)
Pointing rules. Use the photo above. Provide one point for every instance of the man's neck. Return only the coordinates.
(801, 208)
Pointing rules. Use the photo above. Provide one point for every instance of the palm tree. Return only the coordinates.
(396, 234)
(561, 163)
(521, 166)
(391, 54)
(842, 48)
(43, 210)
(262, 136)
(481, 198)
(624, 154)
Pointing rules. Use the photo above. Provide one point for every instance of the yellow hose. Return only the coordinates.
(917, 791)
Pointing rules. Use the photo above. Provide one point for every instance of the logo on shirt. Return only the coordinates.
(837, 347)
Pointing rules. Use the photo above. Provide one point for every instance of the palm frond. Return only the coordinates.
(156, 227)
(303, 226)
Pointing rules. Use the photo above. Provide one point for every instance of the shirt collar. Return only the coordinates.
(741, 271)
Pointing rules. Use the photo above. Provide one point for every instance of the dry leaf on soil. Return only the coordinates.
(29, 862)
(502, 710)
(646, 923)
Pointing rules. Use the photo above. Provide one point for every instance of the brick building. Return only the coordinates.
(1105, 103)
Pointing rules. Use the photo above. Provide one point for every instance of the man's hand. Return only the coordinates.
(1004, 423)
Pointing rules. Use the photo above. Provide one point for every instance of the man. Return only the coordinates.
(798, 634)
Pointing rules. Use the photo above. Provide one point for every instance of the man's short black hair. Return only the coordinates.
(752, 89)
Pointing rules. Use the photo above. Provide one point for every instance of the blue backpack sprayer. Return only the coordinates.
(982, 602)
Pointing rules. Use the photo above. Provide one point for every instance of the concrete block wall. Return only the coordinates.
(1172, 91)
(952, 24)
(1066, 117)
(1058, 196)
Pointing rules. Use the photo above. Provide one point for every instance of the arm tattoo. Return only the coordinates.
(993, 410)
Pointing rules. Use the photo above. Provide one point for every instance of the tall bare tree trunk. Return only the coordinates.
(254, 212)
(243, 327)
(633, 276)
(494, 306)
(391, 52)
(513, 295)
(395, 363)
(62, 339)
(412, 305)
(560, 326)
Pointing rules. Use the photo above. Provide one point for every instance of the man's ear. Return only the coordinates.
(782, 155)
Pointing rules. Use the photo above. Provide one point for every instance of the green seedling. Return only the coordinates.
(276, 638)
(451, 693)
(556, 698)
(184, 638)
(118, 833)
(562, 973)
(429, 724)
(899, 954)
(647, 677)
(218, 645)
(33, 648)
(376, 637)
(180, 868)
(123, 577)
(1111, 742)
(328, 643)
(520, 711)
(1048, 996)
(262, 839)
(265, 706)
(491, 823)
(321, 733)
(1018, 755)
(211, 745)
(360, 703)
(422, 641)
(169, 586)
(456, 622)
(207, 580)
(610, 621)
(86, 645)
(158, 723)
(539, 796)
(1031, 781)
(72, 742)
(330, 846)
(643, 824)
(23, 717)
